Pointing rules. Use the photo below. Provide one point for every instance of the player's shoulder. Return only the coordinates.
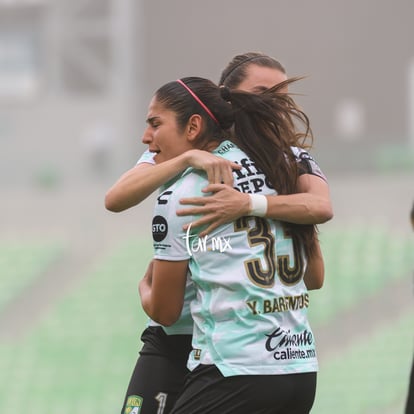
(307, 164)
(229, 150)
(301, 153)
(190, 177)
(188, 184)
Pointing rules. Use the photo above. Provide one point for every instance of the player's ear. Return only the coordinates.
(194, 127)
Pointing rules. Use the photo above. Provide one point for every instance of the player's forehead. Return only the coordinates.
(157, 110)
(261, 77)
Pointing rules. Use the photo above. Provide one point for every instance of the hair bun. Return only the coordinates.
(225, 93)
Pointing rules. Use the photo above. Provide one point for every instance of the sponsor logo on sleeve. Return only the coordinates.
(163, 197)
(159, 228)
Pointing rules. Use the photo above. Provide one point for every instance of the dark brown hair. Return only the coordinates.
(235, 72)
(264, 125)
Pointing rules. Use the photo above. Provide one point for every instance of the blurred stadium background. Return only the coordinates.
(75, 80)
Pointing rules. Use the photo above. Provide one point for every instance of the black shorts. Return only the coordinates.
(207, 391)
(159, 373)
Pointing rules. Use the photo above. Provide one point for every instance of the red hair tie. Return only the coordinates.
(199, 101)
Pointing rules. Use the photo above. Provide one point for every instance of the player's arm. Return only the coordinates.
(139, 182)
(315, 271)
(162, 290)
(311, 205)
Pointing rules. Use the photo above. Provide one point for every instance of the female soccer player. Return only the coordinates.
(160, 369)
(310, 204)
(253, 348)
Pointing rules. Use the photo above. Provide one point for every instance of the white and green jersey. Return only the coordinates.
(306, 163)
(250, 303)
(146, 157)
(184, 326)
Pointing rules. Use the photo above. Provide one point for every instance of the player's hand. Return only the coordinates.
(224, 206)
(218, 169)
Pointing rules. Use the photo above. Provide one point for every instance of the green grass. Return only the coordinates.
(359, 262)
(371, 375)
(21, 264)
(79, 359)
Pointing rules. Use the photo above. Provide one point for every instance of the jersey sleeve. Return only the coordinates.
(170, 241)
(147, 157)
(307, 164)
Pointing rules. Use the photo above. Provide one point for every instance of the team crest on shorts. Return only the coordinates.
(133, 405)
(197, 354)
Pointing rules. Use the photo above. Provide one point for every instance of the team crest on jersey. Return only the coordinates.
(133, 404)
(159, 228)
